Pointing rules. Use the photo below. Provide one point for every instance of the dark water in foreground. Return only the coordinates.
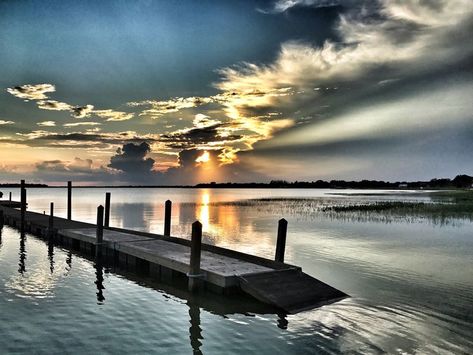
(411, 280)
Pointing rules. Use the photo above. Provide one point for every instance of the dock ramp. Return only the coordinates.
(290, 290)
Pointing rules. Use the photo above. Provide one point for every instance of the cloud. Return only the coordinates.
(46, 124)
(378, 41)
(82, 111)
(284, 5)
(112, 115)
(202, 121)
(38, 92)
(248, 117)
(131, 160)
(32, 92)
(190, 171)
(54, 105)
(385, 33)
(78, 165)
(4, 122)
(160, 108)
(90, 139)
(76, 124)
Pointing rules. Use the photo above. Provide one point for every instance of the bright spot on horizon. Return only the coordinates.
(204, 158)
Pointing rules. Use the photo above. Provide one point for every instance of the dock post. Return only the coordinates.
(281, 241)
(107, 210)
(10, 195)
(23, 207)
(51, 221)
(69, 200)
(194, 275)
(167, 218)
(1, 217)
(99, 233)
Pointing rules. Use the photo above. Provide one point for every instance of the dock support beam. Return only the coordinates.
(51, 221)
(107, 210)
(69, 200)
(195, 281)
(167, 218)
(281, 241)
(99, 233)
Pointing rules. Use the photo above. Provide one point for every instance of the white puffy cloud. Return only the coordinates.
(46, 124)
(112, 115)
(77, 124)
(32, 92)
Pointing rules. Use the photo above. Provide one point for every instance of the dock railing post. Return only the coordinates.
(51, 221)
(69, 200)
(281, 241)
(99, 233)
(195, 277)
(107, 210)
(167, 218)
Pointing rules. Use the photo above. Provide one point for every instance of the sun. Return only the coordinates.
(204, 158)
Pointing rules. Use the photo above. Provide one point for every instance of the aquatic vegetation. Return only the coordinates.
(443, 208)
(438, 207)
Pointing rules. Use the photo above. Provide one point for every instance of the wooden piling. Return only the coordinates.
(10, 196)
(107, 210)
(281, 241)
(195, 277)
(23, 206)
(167, 217)
(99, 233)
(69, 200)
(51, 220)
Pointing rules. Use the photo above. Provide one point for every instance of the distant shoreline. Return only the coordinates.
(459, 182)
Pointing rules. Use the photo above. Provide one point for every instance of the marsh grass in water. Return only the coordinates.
(445, 207)
(438, 207)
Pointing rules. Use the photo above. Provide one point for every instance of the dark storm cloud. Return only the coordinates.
(77, 139)
(131, 160)
(190, 172)
(196, 136)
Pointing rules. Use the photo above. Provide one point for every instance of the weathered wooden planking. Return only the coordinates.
(290, 290)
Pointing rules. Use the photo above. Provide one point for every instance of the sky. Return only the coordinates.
(184, 92)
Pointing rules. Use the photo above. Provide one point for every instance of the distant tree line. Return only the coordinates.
(26, 185)
(460, 181)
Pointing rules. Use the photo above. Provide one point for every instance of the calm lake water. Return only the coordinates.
(410, 279)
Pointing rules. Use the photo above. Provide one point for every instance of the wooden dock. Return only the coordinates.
(214, 268)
